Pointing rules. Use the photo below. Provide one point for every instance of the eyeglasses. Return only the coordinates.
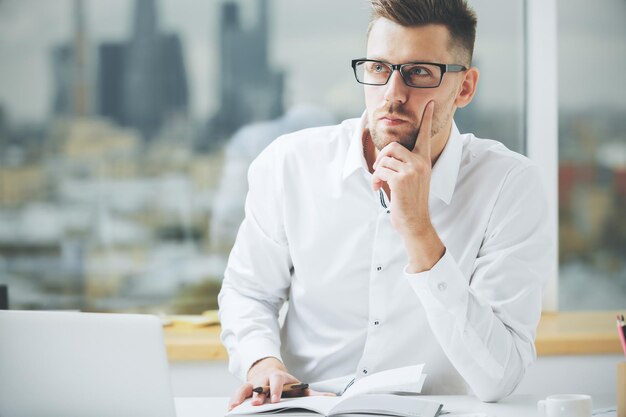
(414, 74)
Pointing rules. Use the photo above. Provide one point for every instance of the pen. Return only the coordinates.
(286, 388)
(347, 386)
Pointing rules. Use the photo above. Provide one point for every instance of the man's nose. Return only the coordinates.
(395, 89)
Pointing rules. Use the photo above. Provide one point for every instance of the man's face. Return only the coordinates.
(395, 110)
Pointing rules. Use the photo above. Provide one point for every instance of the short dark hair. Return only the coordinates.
(456, 15)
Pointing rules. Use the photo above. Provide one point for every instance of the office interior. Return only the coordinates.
(127, 127)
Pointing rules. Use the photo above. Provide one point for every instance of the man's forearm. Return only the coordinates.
(424, 250)
(250, 330)
(490, 347)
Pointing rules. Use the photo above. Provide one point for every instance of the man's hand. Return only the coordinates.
(269, 371)
(408, 175)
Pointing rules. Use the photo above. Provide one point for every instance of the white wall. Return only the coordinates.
(589, 374)
(202, 379)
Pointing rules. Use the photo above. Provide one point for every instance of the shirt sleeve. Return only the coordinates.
(257, 276)
(486, 323)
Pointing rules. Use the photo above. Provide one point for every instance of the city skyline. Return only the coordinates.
(250, 89)
(141, 82)
(196, 22)
(30, 28)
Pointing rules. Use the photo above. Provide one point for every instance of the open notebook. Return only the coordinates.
(383, 393)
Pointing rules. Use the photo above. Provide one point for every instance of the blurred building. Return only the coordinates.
(142, 83)
(70, 63)
(110, 85)
(155, 84)
(250, 90)
(20, 184)
(62, 70)
(4, 130)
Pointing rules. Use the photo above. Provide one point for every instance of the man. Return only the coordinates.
(444, 266)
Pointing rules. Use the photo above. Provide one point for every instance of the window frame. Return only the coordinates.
(541, 108)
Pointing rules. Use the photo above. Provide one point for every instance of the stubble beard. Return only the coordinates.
(404, 135)
(408, 137)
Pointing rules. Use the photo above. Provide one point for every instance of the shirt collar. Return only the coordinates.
(446, 170)
(444, 174)
(354, 158)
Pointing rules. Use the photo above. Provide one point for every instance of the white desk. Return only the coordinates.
(457, 405)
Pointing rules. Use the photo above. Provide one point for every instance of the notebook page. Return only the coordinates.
(318, 404)
(408, 377)
(387, 404)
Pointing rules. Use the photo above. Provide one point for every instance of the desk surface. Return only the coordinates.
(457, 405)
(564, 333)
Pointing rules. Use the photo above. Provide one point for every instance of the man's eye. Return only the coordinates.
(419, 71)
(378, 68)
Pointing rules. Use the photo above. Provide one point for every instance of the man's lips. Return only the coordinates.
(391, 121)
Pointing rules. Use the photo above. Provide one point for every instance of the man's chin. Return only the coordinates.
(384, 137)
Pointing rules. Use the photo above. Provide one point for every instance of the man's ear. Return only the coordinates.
(468, 88)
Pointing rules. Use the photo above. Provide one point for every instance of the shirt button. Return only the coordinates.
(364, 371)
(442, 286)
(376, 323)
(379, 268)
(388, 211)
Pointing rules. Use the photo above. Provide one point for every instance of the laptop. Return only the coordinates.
(83, 364)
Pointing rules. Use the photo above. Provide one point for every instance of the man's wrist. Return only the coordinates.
(265, 363)
(424, 251)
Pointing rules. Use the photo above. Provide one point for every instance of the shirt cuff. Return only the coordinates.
(443, 287)
(254, 349)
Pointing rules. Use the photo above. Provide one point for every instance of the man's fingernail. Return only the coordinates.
(274, 398)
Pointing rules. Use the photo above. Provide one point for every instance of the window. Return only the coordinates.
(498, 109)
(592, 154)
(126, 130)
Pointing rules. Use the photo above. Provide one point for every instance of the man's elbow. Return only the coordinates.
(492, 396)
(498, 390)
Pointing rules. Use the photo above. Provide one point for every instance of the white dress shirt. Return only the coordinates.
(317, 235)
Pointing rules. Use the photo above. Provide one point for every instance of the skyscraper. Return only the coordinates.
(142, 82)
(110, 81)
(249, 89)
(71, 70)
(154, 83)
(62, 57)
(80, 78)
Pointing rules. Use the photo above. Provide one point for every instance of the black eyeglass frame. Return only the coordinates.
(399, 67)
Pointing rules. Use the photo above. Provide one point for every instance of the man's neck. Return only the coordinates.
(439, 143)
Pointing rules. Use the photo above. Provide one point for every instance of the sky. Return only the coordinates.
(314, 42)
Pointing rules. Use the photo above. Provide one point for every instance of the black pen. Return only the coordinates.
(286, 388)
